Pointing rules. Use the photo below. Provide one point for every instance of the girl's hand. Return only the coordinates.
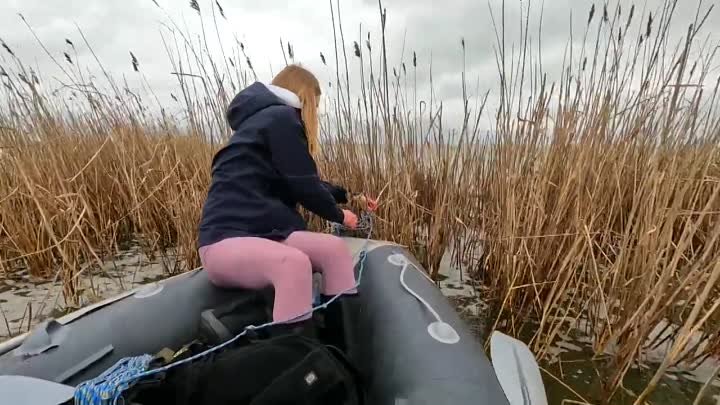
(372, 204)
(350, 220)
(367, 202)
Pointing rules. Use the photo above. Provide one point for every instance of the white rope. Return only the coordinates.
(414, 294)
(438, 330)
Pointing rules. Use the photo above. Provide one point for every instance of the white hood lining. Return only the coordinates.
(285, 95)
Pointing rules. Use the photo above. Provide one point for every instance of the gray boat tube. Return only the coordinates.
(159, 315)
(405, 353)
(404, 336)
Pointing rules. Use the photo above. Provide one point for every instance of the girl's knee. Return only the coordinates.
(295, 269)
(295, 258)
(333, 247)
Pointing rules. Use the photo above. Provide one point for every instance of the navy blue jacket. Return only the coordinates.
(263, 172)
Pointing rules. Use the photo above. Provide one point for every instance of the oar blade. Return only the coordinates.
(517, 370)
(21, 390)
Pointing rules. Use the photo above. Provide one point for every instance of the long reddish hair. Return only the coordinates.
(306, 86)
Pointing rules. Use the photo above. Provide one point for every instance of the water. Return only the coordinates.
(580, 373)
(24, 302)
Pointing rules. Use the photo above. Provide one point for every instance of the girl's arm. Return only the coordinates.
(290, 156)
(340, 194)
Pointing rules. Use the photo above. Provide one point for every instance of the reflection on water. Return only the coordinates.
(577, 369)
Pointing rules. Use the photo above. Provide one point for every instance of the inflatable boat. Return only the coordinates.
(403, 335)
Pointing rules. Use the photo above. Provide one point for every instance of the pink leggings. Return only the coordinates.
(287, 266)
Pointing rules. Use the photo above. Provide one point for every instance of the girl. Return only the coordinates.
(251, 234)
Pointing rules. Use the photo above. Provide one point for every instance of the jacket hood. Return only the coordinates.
(256, 97)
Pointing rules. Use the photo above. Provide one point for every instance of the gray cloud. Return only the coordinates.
(430, 28)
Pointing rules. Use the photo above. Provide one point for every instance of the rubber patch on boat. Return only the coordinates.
(149, 290)
(443, 333)
(397, 259)
(46, 336)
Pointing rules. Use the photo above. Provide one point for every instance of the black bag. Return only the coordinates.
(286, 370)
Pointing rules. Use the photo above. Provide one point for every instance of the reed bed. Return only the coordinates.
(592, 206)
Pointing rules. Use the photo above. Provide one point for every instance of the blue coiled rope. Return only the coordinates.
(107, 388)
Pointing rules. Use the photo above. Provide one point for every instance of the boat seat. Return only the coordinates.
(248, 307)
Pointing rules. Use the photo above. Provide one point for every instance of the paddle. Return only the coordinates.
(21, 390)
(517, 371)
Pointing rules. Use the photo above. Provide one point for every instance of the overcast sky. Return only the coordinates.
(428, 27)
